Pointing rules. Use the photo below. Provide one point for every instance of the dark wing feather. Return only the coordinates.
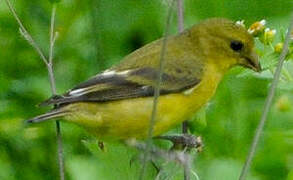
(135, 83)
(136, 75)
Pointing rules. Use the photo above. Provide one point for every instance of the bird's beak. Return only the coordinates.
(252, 62)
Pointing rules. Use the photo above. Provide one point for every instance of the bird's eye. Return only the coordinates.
(236, 45)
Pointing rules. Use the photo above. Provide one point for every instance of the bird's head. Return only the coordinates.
(226, 43)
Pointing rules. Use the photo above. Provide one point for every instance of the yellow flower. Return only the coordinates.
(257, 27)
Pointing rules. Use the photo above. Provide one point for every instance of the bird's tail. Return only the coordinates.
(55, 113)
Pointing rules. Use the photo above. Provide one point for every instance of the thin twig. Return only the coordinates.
(24, 31)
(52, 42)
(49, 65)
(53, 87)
(268, 103)
(186, 168)
(52, 35)
(180, 13)
(156, 93)
(180, 18)
(60, 150)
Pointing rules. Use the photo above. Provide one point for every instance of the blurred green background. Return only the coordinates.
(93, 35)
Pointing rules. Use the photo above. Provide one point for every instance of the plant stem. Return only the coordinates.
(180, 13)
(28, 36)
(53, 87)
(156, 93)
(60, 150)
(180, 20)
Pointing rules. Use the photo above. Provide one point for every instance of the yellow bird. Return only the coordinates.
(117, 103)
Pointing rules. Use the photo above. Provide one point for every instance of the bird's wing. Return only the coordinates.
(137, 74)
(139, 82)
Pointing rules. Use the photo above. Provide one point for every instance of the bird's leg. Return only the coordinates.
(184, 141)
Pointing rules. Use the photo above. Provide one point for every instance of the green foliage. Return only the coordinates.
(93, 35)
(55, 1)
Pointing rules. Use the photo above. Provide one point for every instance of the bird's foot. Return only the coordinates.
(184, 141)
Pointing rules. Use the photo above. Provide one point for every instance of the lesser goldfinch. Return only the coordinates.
(117, 103)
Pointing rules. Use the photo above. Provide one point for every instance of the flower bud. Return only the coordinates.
(240, 23)
(268, 36)
(279, 47)
(283, 104)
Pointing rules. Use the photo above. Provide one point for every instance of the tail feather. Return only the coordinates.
(48, 116)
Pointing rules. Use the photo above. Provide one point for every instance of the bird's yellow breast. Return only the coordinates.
(130, 118)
